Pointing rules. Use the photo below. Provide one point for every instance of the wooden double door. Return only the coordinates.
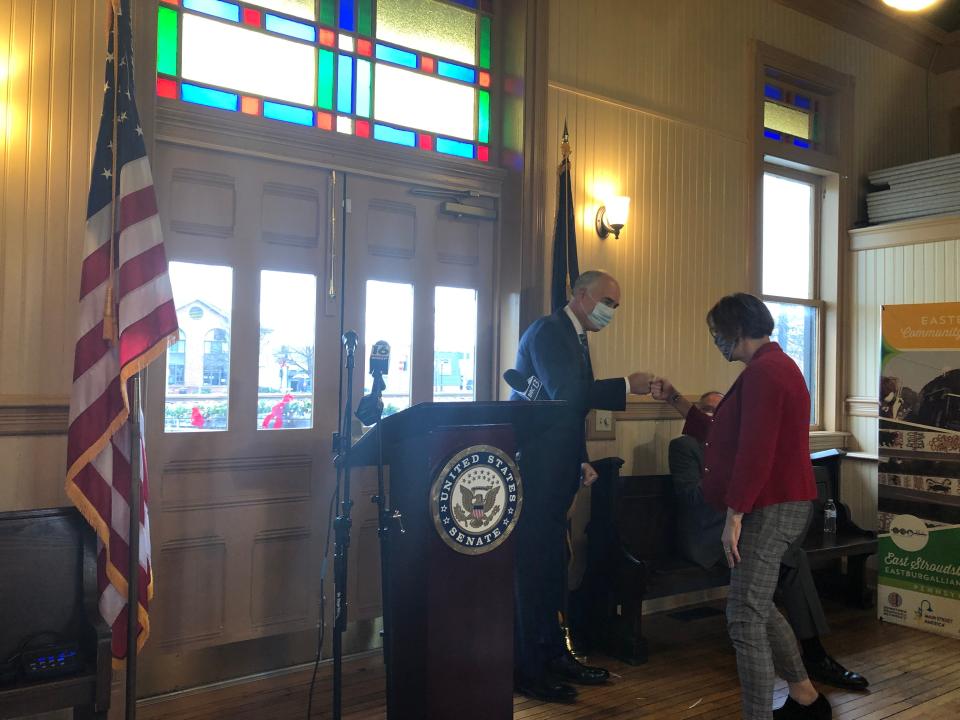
(271, 261)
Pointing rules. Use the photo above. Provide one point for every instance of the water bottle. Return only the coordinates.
(830, 517)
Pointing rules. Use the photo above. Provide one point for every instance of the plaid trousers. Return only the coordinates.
(763, 639)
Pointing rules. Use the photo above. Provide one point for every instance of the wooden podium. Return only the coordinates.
(449, 609)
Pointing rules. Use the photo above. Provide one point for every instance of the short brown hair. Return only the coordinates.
(740, 314)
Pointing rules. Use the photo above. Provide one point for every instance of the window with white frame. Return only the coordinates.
(790, 253)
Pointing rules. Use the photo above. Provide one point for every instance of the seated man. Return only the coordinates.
(699, 527)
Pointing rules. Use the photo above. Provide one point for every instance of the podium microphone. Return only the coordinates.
(370, 407)
(528, 388)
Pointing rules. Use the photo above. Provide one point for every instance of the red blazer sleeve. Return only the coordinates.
(760, 420)
(697, 424)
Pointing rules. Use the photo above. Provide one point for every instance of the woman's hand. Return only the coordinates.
(730, 538)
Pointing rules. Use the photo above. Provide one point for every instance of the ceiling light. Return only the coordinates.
(911, 5)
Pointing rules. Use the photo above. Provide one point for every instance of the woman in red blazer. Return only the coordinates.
(757, 468)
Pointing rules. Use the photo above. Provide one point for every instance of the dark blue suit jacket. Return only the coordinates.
(699, 525)
(551, 350)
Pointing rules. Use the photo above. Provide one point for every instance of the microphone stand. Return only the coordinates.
(385, 518)
(341, 529)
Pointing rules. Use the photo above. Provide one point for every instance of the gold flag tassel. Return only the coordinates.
(109, 308)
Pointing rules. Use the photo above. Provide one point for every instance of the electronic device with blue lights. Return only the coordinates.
(50, 661)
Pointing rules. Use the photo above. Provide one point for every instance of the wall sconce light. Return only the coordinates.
(613, 216)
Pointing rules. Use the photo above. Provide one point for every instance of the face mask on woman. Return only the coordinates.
(725, 346)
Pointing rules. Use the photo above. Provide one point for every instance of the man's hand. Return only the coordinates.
(662, 389)
(730, 537)
(640, 382)
(587, 474)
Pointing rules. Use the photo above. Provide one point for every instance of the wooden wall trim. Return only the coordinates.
(33, 416)
(865, 21)
(906, 232)
(863, 406)
(646, 411)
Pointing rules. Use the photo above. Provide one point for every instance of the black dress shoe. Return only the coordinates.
(792, 710)
(830, 672)
(545, 689)
(567, 667)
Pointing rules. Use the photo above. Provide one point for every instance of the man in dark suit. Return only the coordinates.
(555, 350)
(699, 527)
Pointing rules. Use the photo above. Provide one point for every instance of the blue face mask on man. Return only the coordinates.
(601, 315)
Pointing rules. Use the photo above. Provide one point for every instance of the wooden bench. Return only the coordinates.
(632, 556)
(48, 590)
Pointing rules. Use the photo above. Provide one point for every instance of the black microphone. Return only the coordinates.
(528, 388)
(380, 358)
(370, 407)
(350, 340)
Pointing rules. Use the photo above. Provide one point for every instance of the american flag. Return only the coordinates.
(138, 319)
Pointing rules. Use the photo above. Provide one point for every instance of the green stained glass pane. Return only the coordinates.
(167, 41)
(296, 8)
(485, 43)
(364, 22)
(325, 80)
(328, 9)
(432, 27)
(483, 117)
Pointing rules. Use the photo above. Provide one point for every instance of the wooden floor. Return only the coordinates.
(690, 674)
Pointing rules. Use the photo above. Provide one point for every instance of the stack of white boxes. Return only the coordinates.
(931, 187)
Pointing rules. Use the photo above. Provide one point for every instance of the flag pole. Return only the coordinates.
(133, 562)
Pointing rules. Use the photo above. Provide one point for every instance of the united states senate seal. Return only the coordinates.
(476, 498)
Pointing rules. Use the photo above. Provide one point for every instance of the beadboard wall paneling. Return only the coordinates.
(663, 118)
(657, 98)
(51, 55)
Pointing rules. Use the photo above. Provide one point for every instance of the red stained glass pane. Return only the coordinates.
(362, 128)
(171, 2)
(328, 37)
(251, 17)
(250, 105)
(425, 141)
(484, 79)
(428, 64)
(167, 88)
(364, 47)
(324, 121)
(483, 153)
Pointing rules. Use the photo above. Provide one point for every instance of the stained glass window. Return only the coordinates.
(415, 73)
(791, 115)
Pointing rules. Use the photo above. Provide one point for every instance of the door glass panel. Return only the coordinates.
(455, 345)
(288, 313)
(389, 317)
(198, 366)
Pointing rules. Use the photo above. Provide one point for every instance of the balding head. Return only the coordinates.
(590, 289)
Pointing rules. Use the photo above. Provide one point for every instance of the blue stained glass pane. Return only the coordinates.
(217, 8)
(772, 134)
(292, 28)
(208, 96)
(345, 84)
(801, 143)
(801, 101)
(455, 147)
(395, 56)
(457, 72)
(468, 3)
(773, 92)
(287, 113)
(393, 135)
(346, 15)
